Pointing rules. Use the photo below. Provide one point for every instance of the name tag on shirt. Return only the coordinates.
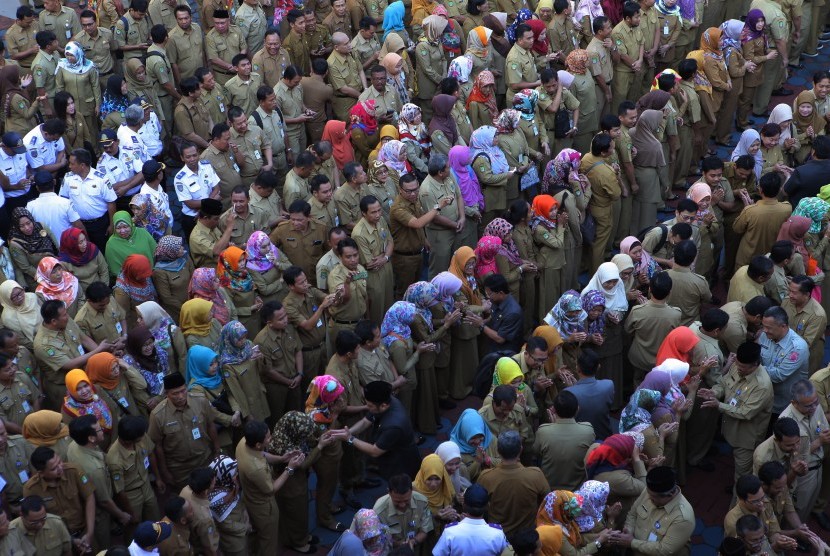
(652, 537)
(26, 407)
(119, 328)
(733, 402)
(147, 462)
(122, 401)
(257, 154)
(222, 107)
(319, 323)
(81, 349)
(196, 433)
(24, 476)
(236, 167)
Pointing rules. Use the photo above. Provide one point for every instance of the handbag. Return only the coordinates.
(221, 403)
(588, 228)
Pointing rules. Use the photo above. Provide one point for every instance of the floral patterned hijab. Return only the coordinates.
(396, 322)
(562, 507)
(203, 286)
(502, 229)
(232, 272)
(229, 352)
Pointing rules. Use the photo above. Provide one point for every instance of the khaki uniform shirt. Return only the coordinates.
(769, 450)
(347, 200)
(561, 447)
(44, 68)
(344, 71)
(809, 427)
(270, 205)
(364, 49)
(385, 193)
(335, 24)
(759, 224)
(65, 499)
(371, 240)
(50, 540)
(192, 117)
(707, 347)
(279, 348)
(688, 291)
(216, 102)
(178, 543)
(326, 214)
(270, 67)
(254, 476)
(243, 228)
(317, 94)
(91, 461)
(100, 50)
(18, 399)
(186, 49)
(129, 468)
(295, 189)
(432, 191)
(202, 240)
(605, 187)
(767, 517)
(252, 147)
(54, 348)
(648, 324)
(734, 333)
(374, 365)
(385, 101)
(402, 525)
(519, 490)
(628, 41)
(407, 240)
(303, 249)
(809, 322)
(226, 167)
(746, 404)
(297, 48)
(599, 60)
(519, 66)
(300, 309)
(324, 267)
(224, 47)
(243, 93)
(515, 421)
(290, 101)
(203, 527)
(15, 468)
(318, 40)
(355, 308)
(138, 33)
(19, 40)
(253, 23)
(182, 433)
(160, 12)
(65, 25)
(273, 129)
(821, 380)
(102, 326)
(665, 530)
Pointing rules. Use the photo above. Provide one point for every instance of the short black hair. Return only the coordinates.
(588, 362)
(759, 266)
(521, 29)
(449, 86)
(234, 112)
(291, 274)
(189, 85)
(682, 230)
(343, 243)
(300, 206)
(139, 5)
(98, 291)
(407, 178)
(599, 23)
(81, 428)
(27, 11)
(747, 161)
(290, 72)
(820, 75)
(661, 284)
(255, 432)
(268, 310)
(218, 130)
(81, 156)
(200, 479)
(50, 309)
(630, 9)
(560, 6)
(525, 541)
(132, 427)
(625, 106)
(350, 170)
(536, 342)
(367, 23)
(55, 127)
(31, 503)
(400, 484)
(821, 147)
(40, 457)
(294, 15)
(158, 33)
(770, 130)
(346, 342)
(749, 353)
(263, 92)
(686, 205)
(547, 75)
(305, 159)
(609, 122)
(174, 508)
(566, 404)
(666, 82)
(497, 283)
(711, 163)
(45, 38)
(771, 471)
(785, 427)
(714, 319)
(805, 283)
(781, 251)
(367, 202)
(747, 523)
(238, 58)
(685, 252)
(266, 179)
(770, 184)
(319, 66)
(504, 393)
(600, 143)
(378, 391)
(746, 485)
(758, 305)
(365, 330)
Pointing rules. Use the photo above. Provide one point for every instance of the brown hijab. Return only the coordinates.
(497, 39)
(9, 86)
(644, 139)
(655, 100)
(814, 119)
(441, 119)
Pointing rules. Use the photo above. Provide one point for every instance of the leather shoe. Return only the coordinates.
(810, 55)
(822, 519)
(782, 92)
(368, 483)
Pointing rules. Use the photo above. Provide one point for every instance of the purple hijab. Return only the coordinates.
(460, 159)
(448, 285)
(660, 382)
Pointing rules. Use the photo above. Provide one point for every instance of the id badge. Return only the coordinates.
(26, 407)
(196, 434)
(69, 33)
(81, 349)
(652, 537)
(119, 328)
(733, 402)
(147, 461)
(258, 155)
(24, 476)
(122, 401)
(222, 107)
(666, 29)
(236, 167)
(319, 323)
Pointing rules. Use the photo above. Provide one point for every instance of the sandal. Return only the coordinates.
(337, 527)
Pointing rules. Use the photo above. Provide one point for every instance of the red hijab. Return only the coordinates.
(540, 39)
(69, 252)
(336, 134)
(678, 345)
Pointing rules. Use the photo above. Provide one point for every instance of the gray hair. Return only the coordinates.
(133, 114)
(802, 388)
(509, 445)
(779, 315)
(437, 162)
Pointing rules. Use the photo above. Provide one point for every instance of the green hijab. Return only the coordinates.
(140, 242)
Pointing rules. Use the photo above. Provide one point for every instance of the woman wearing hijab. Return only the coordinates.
(755, 48)
(568, 318)
(236, 281)
(541, 48)
(203, 377)
(678, 345)
(465, 336)
(808, 124)
(21, 312)
(508, 372)
(205, 285)
(442, 129)
(368, 537)
(399, 71)
(548, 227)
(789, 140)
(114, 101)
(596, 513)
(53, 282)
(649, 161)
(513, 143)
(443, 310)
(363, 130)
(127, 240)
(518, 217)
(81, 399)
(197, 325)
(172, 271)
(531, 124)
(431, 65)
(461, 68)
(509, 262)
(134, 286)
(294, 433)
(78, 76)
(393, 155)
(561, 508)
(139, 84)
(500, 48)
(336, 134)
(239, 366)
(122, 389)
(625, 265)
(450, 455)
(583, 88)
(460, 159)
(381, 186)
(415, 138)
(46, 428)
(481, 104)
(663, 413)
(393, 17)
(485, 251)
(584, 15)
(226, 507)
(670, 23)
(396, 337)
(593, 303)
(616, 462)
(29, 242)
(479, 51)
(750, 144)
(77, 134)
(82, 258)
(167, 335)
(265, 265)
(712, 80)
(436, 485)
(473, 437)
(492, 172)
(18, 113)
(737, 67)
(452, 38)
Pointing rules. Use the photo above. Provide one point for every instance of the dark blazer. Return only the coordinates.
(806, 180)
(595, 399)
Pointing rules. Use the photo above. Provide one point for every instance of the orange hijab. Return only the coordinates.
(336, 134)
(543, 204)
(461, 257)
(678, 344)
(99, 369)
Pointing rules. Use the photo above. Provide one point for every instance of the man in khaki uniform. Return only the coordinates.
(376, 246)
(85, 452)
(271, 61)
(602, 67)
(253, 149)
(15, 452)
(258, 488)
(760, 222)
(444, 229)
(269, 119)
(265, 197)
(162, 12)
(605, 201)
(222, 43)
(562, 445)
(45, 65)
(404, 512)
(651, 42)
(752, 500)
(191, 118)
(178, 513)
(296, 43)
(317, 96)
(182, 429)
(251, 20)
(13, 539)
(387, 103)
(42, 533)
(744, 321)
(100, 46)
(330, 260)
(807, 317)
(301, 239)
(563, 35)
(281, 367)
(204, 534)
(247, 219)
(744, 397)
(66, 491)
(345, 75)
(305, 307)
(60, 20)
(661, 521)
(186, 45)
(548, 91)
(130, 460)
(19, 395)
(132, 31)
(242, 87)
(161, 73)
(689, 290)
(20, 39)
(775, 70)
(520, 66)
(503, 413)
(206, 241)
(353, 304)
(628, 54)
(323, 209)
(318, 38)
(296, 186)
(347, 197)
(338, 21)
(214, 97)
(366, 45)
(649, 323)
(225, 160)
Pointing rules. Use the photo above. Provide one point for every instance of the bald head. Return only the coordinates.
(339, 38)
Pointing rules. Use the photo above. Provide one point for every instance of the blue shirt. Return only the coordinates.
(786, 361)
(471, 537)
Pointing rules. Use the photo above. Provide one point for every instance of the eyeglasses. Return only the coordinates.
(410, 191)
(539, 359)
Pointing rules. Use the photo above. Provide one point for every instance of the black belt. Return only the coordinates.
(105, 74)
(312, 348)
(406, 253)
(345, 321)
(814, 467)
(92, 220)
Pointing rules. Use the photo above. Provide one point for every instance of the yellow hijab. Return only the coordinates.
(432, 466)
(195, 317)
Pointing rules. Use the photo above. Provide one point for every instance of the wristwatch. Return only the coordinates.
(290, 471)
(598, 544)
(350, 441)
(436, 206)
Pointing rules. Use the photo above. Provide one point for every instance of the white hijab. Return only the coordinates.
(780, 114)
(565, 78)
(449, 451)
(615, 299)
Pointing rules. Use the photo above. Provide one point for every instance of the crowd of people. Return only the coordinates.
(253, 250)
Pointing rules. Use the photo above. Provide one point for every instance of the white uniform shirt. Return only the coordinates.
(117, 170)
(471, 537)
(39, 151)
(132, 150)
(195, 186)
(159, 198)
(14, 167)
(56, 213)
(150, 133)
(90, 195)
